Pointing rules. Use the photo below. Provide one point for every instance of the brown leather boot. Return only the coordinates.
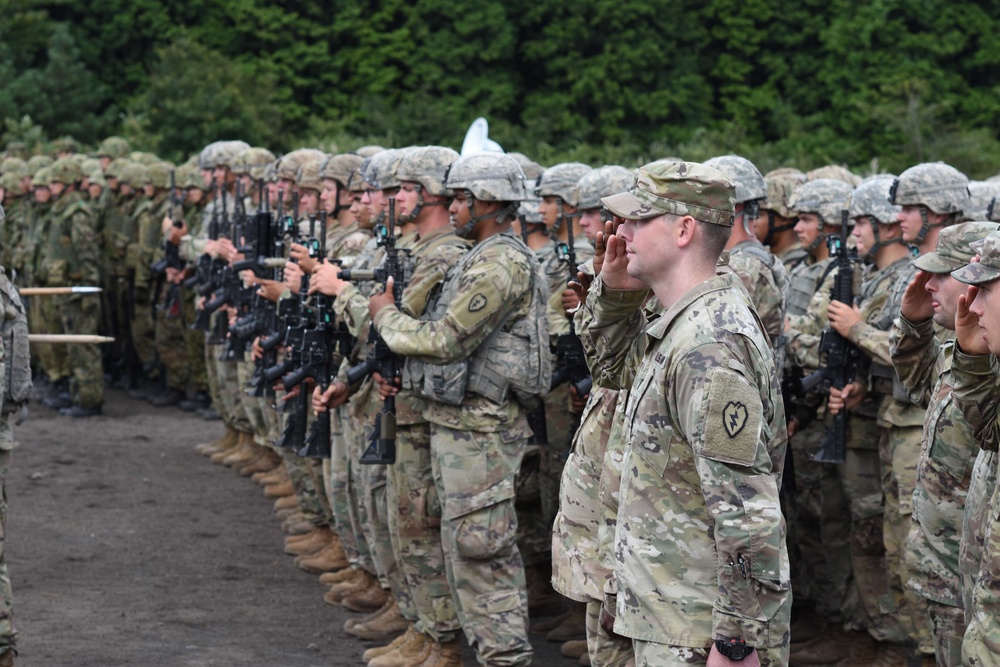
(224, 443)
(244, 452)
(358, 620)
(573, 626)
(890, 655)
(411, 635)
(266, 462)
(332, 578)
(367, 599)
(286, 503)
(384, 626)
(329, 559)
(574, 649)
(281, 490)
(308, 544)
(232, 443)
(862, 653)
(275, 476)
(444, 655)
(356, 582)
(414, 651)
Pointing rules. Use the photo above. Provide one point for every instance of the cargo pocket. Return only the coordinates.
(487, 532)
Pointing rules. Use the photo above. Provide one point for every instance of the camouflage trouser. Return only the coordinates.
(356, 497)
(251, 404)
(534, 536)
(860, 477)
(475, 478)
(606, 650)
(194, 342)
(899, 450)
(576, 572)
(211, 356)
(171, 347)
(415, 530)
(337, 476)
(231, 394)
(374, 479)
(948, 623)
(561, 426)
(8, 635)
(976, 523)
(44, 317)
(143, 328)
(300, 471)
(981, 645)
(651, 654)
(81, 314)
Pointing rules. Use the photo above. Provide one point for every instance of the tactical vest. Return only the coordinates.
(16, 357)
(61, 264)
(804, 286)
(513, 358)
(780, 277)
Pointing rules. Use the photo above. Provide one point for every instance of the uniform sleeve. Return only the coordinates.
(351, 307)
(913, 349)
(613, 324)
(721, 413)
(977, 395)
(873, 342)
(488, 289)
(428, 274)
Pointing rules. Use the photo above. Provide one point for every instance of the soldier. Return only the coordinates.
(124, 181)
(776, 229)
(485, 329)
(704, 431)
(948, 449)
(977, 393)
(15, 371)
(112, 149)
(71, 258)
(933, 195)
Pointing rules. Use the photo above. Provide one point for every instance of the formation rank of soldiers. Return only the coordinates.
(646, 405)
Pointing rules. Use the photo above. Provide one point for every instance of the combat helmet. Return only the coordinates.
(65, 170)
(835, 171)
(144, 157)
(14, 165)
(307, 177)
(158, 175)
(133, 174)
(288, 165)
(427, 166)
(825, 197)
(560, 181)
(114, 148)
(871, 200)
(982, 194)
(780, 184)
(36, 162)
(379, 171)
(11, 184)
(252, 162)
(114, 169)
(602, 182)
(65, 145)
(935, 187)
(750, 186)
(42, 178)
(532, 170)
(488, 176)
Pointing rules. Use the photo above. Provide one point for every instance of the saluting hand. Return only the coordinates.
(917, 305)
(614, 267)
(968, 333)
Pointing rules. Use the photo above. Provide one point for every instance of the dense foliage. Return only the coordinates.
(806, 83)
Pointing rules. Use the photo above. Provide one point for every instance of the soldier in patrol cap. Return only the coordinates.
(933, 195)
(977, 393)
(702, 567)
(479, 349)
(948, 448)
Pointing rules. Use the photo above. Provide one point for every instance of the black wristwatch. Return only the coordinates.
(734, 649)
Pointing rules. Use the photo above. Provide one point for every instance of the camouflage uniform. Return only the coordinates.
(976, 392)
(948, 453)
(703, 380)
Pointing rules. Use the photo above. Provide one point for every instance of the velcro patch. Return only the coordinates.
(732, 419)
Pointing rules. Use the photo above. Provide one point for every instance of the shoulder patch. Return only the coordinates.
(732, 419)
(477, 303)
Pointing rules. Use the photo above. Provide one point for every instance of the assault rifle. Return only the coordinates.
(840, 356)
(171, 259)
(381, 359)
(571, 362)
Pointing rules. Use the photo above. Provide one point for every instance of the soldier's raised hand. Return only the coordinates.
(917, 304)
(968, 333)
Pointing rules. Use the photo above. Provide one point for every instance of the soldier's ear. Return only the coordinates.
(684, 230)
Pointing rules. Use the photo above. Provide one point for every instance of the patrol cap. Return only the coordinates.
(987, 269)
(954, 247)
(602, 182)
(677, 188)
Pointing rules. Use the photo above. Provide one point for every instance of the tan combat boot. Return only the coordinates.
(266, 462)
(827, 649)
(573, 625)
(280, 490)
(332, 578)
(286, 503)
(367, 599)
(308, 544)
(244, 452)
(411, 635)
(276, 476)
(413, 651)
(297, 524)
(224, 443)
(350, 584)
(328, 559)
(358, 620)
(385, 625)
(890, 655)
(444, 655)
(225, 446)
(574, 649)
(862, 652)
(584, 660)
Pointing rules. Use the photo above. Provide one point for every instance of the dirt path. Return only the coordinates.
(128, 548)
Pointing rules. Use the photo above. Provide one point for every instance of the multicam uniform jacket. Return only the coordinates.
(700, 542)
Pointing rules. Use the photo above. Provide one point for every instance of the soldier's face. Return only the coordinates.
(944, 291)
(42, 194)
(591, 222)
(360, 211)
(112, 183)
(863, 234)
(149, 190)
(195, 195)
(246, 181)
(406, 198)
(94, 190)
(986, 306)
(329, 195)
(125, 189)
(223, 175)
(206, 177)
(549, 208)
(26, 183)
(308, 201)
(807, 228)
(646, 247)
(57, 188)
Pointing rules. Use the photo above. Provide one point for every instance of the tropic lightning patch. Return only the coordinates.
(731, 422)
(477, 303)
